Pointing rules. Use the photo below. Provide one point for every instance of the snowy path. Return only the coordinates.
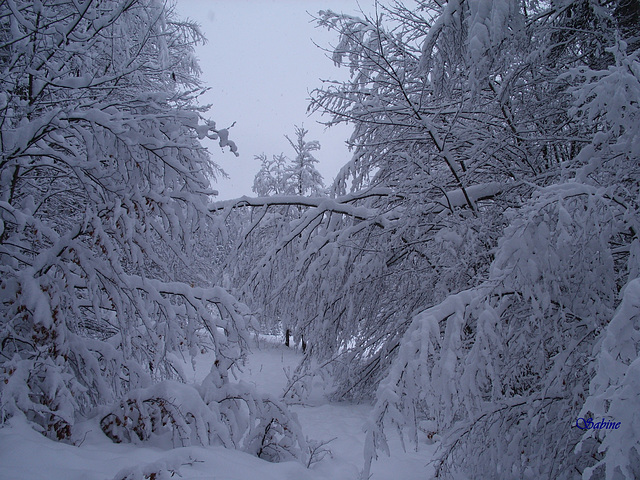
(26, 455)
(325, 421)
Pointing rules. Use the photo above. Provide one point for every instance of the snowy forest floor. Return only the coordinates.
(27, 455)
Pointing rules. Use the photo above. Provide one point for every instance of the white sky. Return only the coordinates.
(261, 64)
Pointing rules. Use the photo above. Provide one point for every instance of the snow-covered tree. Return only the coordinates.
(302, 176)
(278, 177)
(272, 178)
(284, 176)
(104, 190)
(474, 249)
(486, 364)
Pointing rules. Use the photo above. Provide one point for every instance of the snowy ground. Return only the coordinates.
(26, 455)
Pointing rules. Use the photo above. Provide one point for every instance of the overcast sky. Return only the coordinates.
(261, 64)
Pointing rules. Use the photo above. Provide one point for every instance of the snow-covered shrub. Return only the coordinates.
(233, 415)
(257, 423)
(167, 408)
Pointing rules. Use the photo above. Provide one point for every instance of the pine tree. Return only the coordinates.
(303, 178)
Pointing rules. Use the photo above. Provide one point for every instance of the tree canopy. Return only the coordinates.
(472, 270)
(104, 204)
(466, 270)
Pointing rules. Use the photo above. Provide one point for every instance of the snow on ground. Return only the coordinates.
(322, 421)
(27, 455)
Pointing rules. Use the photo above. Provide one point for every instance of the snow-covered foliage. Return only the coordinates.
(282, 184)
(302, 175)
(284, 176)
(615, 392)
(271, 179)
(104, 197)
(216, 412)
(28, 455)
(492, 368)
(474, 250)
